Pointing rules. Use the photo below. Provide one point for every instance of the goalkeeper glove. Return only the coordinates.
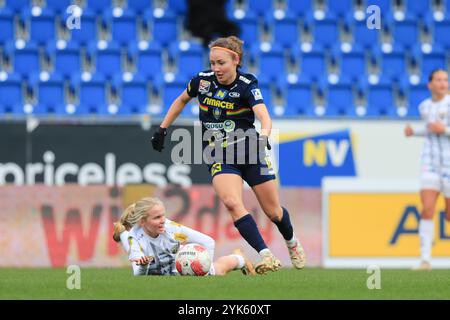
(158, 139)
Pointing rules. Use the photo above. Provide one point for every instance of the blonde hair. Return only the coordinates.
(139, 210)
(231, 43)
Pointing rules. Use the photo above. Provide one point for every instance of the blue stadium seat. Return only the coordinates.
(441, 31)
(42, 27)
(380, 99)
(312, 63)
(58, 6)
(140, 6)
(249, 26)
(26, 60)
(352, 64)
(178, 6)
(325, 31)
(299, 8)
(169, 91)
(17, 5)
(107, 61)
(385, 5)
(67, 61)
(430, 61)
(50, 94)
(418, 8)
(447, 6)
(338, 97)
(123, 28)
(11, 95)
(270, 62)
(92, 94)
(365, 37)
(260, 7)
(133, 94)
(190, 59)
(416, 93)
(285, 30)
(164, 29)
(99, 6)
(404, 33)
(298, 97)
(340, 8)
(6, 26)
(149, 61)
(392, 64)
(88, 30)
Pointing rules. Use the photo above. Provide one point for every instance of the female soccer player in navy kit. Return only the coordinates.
(229, 100)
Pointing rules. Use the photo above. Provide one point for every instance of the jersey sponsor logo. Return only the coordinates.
(205, 74)
(221, 94)
(257, 94)
(204, 86)
(217, 103)
(227, 125)
(244, 79)
(234, 94)
(216, 167)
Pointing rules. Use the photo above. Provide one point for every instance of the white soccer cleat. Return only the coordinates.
(268, 263)
(424, 265)
(297, 254)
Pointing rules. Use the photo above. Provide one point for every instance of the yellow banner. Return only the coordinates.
(381, 225)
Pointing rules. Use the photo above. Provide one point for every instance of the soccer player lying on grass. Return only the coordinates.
(152, 241)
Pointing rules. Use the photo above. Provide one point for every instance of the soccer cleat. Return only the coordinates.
(268, 263)
(424, 265)
(248, 268)
(118, 229)
(297, 254)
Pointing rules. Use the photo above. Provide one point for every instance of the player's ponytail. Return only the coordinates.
(139, 210)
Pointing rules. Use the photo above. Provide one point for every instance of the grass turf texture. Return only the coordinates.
(287, 284)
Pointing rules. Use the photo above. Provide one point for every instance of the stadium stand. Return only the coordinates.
(131, 54)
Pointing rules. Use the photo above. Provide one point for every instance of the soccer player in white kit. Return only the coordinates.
(152, 241)
(435, 161)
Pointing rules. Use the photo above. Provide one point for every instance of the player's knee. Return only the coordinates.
(427, 213)
(275, 214)
(231, 203)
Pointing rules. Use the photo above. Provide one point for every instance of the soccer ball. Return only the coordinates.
(193, 260)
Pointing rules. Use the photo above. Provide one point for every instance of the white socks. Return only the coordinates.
(264, 251)
(426, 234)
(240, 259)
(124, 241)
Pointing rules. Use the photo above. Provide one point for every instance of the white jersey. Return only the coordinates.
(435, 160)
(436, 150)
(162, 249)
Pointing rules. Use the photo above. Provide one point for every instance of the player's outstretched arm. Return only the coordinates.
(174, 111)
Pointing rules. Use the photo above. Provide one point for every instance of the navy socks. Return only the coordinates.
(249, 231)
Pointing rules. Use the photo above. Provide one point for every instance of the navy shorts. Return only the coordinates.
(253, 174)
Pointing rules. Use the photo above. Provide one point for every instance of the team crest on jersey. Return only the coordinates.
(204, 86)
(257, 94)
(216, 113)
(221, 94)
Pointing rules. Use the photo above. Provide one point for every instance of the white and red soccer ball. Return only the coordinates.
(193, 260)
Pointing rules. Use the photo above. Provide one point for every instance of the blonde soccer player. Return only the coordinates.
(435, 160)
(152, 241)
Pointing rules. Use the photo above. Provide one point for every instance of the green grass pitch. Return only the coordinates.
(287, 284)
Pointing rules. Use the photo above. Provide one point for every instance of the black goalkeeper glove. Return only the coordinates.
(158, 139)
(264, 140)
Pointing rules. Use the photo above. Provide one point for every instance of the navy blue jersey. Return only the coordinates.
(225, 108)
